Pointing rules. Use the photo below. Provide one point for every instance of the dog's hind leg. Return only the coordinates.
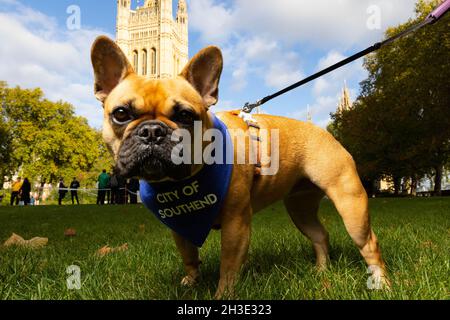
(303, 207)
(344, 188)
(351, 202)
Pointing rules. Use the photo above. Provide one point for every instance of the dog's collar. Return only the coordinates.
(190, 207)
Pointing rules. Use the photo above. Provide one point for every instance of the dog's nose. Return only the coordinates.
(152, 132)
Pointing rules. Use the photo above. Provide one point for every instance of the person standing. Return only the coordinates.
(114, 189)
(15, 191)
(62, 190)
(122, 191)
(103, 182)
(74, 186)
(25, 191)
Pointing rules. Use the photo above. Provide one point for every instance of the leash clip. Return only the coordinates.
(249, 107)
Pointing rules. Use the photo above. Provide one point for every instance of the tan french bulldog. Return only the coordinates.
(140, 116)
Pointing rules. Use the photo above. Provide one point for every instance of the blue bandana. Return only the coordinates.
(191, 206)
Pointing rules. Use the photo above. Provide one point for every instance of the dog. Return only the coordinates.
(141, 115)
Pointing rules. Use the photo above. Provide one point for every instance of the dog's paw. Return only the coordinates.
(378, 279)
(188, 281)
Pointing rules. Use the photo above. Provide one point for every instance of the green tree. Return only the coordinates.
(400, 125)
(48, 140)
(5, 139)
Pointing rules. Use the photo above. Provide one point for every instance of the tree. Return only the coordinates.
(5, 139)
(400, 124)
(48, 140)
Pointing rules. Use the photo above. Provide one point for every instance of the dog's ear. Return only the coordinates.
(203, 72)
(110, 64)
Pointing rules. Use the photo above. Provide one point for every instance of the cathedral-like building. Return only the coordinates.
(345, 103)
(155, 43)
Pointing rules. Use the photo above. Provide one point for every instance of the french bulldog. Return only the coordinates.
(141, 116)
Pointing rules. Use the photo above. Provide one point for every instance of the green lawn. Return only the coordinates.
(414, 235)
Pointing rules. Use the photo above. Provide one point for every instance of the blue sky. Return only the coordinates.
(267, 44)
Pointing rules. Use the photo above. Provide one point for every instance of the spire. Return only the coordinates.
(182, 6)
(123, 16)
(309, 115)
(345, 103)
(124, 4)
(150, 3)
(182, 15)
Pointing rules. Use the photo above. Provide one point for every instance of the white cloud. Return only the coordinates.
(224, 105)
(324, 22)
(320, 110)
(39, 53)
(213, 19)
(239, 76)
(329, 89)
(258, 36)
(320, 85)
(331, 58)
(281, 74)
(260, 57)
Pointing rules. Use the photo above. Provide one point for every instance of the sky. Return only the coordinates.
(267, 45)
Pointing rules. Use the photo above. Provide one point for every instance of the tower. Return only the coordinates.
(123, 17)
(182, 21)
(166, 47)
(345, 103)
(155, 43)
(182, 16)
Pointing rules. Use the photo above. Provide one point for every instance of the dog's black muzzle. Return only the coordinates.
(151, 132)
(147, 153)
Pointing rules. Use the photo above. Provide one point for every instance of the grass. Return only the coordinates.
(414, 235)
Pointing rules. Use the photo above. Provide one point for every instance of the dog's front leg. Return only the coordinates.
(189, 254)
(236, 231)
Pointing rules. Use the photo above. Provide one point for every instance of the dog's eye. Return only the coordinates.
(185, 116)
(122, 116)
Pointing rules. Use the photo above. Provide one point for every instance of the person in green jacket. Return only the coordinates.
(103, 184)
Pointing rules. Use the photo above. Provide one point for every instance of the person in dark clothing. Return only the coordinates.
(122, 184)
(114, 183)
(25, 191)
(133, 188)
(62, 193)
(15, 192)
(74, 190)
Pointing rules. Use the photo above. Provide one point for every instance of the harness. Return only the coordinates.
(254, 136)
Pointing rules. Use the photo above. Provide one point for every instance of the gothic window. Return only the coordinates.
(153, 57)
(144, 62)
(135, 60)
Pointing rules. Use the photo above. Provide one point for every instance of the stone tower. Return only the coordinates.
(155, 43)
(345, 103)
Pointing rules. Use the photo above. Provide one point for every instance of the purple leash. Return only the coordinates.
(432, 18)
(439, 11)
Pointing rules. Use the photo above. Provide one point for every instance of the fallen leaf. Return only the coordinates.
(108, 250)
(429, 245)
(35, 243)
(70, 232)
(104, 251)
